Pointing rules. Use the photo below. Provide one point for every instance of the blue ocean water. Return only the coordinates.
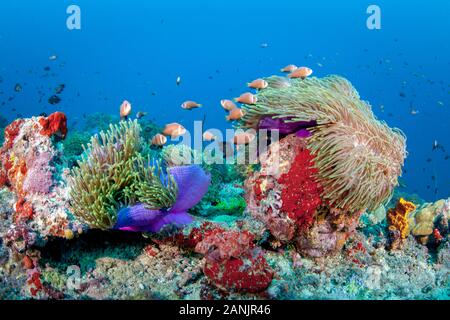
(135, 50)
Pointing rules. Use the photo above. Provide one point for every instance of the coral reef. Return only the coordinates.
(286, 196)
(179, 155)
(226, 194)
(39, 209)
(249, 232)
(370, 273)
(27, 169)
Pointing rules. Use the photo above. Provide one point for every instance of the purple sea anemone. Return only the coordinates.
(192, 182)
(285, 127)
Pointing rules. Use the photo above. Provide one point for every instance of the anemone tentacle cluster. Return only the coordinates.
(112, 173)
(359, 158)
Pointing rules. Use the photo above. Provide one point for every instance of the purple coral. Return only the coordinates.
(39, 177)
(192, 182)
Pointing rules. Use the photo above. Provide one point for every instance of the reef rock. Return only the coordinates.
(232, 262)
(286, 196)
(28, 170)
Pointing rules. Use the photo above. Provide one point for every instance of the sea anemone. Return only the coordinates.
(179, 155)
(112, 174)
(358, 157)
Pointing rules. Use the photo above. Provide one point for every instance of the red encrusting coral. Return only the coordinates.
(196, 235)
(54, 124)
(11, 132)
(34, 281)
(258, 191)
(24, 211)
(437, 235)
(27, 262)
(3, 178)
(233, 262)
(301, 193)
(354, 252)
(246, 274)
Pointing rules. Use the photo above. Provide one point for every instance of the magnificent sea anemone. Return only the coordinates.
(113, 187)
(358, 157)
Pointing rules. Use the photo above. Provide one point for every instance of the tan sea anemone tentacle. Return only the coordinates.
(359, 158)
(112, 174)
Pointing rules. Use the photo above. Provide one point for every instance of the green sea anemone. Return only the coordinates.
(112, 173)
(359, 158)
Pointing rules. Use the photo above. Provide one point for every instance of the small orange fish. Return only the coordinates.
(437, 235)
(125, 110)
(208, 136)
(159, 140)
(247, 98)
(174, 130)
(189, 105)
(302, 73)
(258, 84)
(243, 138)
(290, 68)
(228, 105)
(235, 114)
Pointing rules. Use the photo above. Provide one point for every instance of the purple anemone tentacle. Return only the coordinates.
(192, 182)
(285, 127)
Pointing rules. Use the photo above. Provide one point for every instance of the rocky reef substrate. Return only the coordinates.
(268, 251)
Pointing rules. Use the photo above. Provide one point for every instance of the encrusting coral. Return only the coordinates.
(232, 261)
(112, 174)
(398, 222)
(358, 157)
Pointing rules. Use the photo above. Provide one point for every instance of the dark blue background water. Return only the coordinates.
(135, 50)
